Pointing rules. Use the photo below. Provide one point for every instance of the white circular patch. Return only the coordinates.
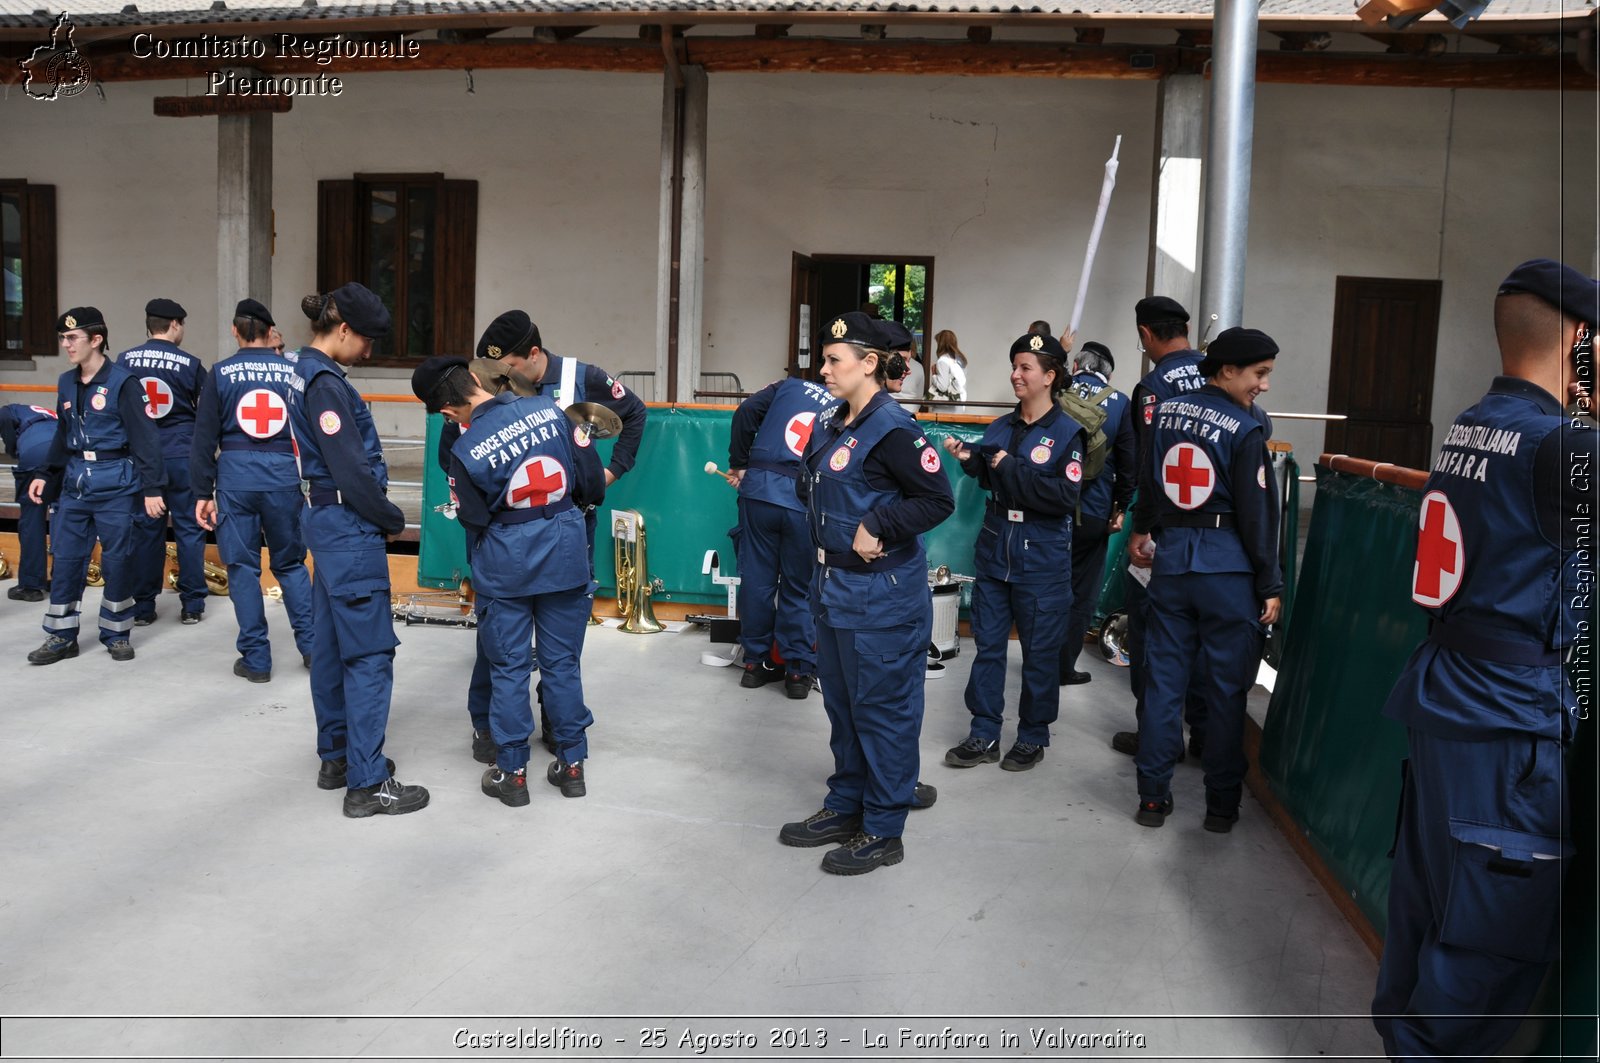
(261, 413)
(617, 390)
(98, 402)
(580, 437)
(539, 482)
(1261, 477)
(1040, 454)
(797, 433)
(840, 459)
(157, 396)
(1187, 476)
(1441, 555)
(930, 459)
(1075, 471)
(329, 423)
(41, 409)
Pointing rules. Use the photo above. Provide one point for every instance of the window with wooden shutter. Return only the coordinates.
(27, 270)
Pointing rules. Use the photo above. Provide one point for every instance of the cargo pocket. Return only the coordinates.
(884, 669)
(1505, 892)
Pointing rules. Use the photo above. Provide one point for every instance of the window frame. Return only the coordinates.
(38, 217)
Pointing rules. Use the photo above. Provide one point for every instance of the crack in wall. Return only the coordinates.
(994, 150)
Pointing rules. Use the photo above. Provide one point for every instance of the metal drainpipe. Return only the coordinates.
(1228, 149)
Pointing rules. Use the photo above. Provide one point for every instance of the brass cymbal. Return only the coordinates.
(603, 424)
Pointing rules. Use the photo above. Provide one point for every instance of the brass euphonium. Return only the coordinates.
(5, 567)
(93, 576)
(216, 575)
(634, 585)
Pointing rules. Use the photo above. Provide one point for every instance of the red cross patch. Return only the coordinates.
(539, 482)
(1441, 555)
(1075, 471)
(1187, 476)
(797, 433)
(930, 459)
(41, 409)
(617, 390)
(157, 397)
(261, 413)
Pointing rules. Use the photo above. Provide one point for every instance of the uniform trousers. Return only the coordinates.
(244, 520)
(775, 562)
(1039, 611)
(32, 521)
(506, 630)
(150, 547)
(73, 531)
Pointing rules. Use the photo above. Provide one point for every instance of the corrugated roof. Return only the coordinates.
(22, 13)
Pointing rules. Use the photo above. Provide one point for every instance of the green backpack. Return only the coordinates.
(1089, 413)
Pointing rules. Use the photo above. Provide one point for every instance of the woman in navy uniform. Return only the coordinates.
(1031, 463)
(1215, 581)
(170, 378)
(251, 490)
(111, 455)
(26, 432)
(873, 486)
(767, 440)
(346, 522)
(1505, 569)
(518, 474)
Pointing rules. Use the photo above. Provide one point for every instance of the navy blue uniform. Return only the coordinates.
(518, 473)
(244, 414)
(26, 432)
(1208, 486)
(769, 435)
(110, 453)
(1475, 897)
(873, 619)
(1106, 494)
(345, 523)
(1024, 567)
(170, 379)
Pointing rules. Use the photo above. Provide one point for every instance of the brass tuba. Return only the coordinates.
(634, 585)
(216, 575)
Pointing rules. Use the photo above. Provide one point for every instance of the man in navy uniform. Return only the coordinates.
(518, 474)
(767, 440)
(1483, 840)
(170, 379)
(111, 454)
(1163, 327)
(1215, 581)
(1103, 500)
(26, 432)
(251, 491)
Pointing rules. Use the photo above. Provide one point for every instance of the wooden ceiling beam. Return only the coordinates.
(1411, 43)
(1304, 42)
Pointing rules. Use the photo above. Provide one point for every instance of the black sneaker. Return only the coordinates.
(1126, 742)
(796, 686)
(120, 649)
(759, 674)
(484, 749)
(568, 777)
(923, 796)
(25, 594)
(305, 661)
(820, 828)
(971, 752)
(863, 853)
(331, 775)
(511, 787)
(144, 621)
(1075, 679)
(1154, 813)
(243, 672)
(1197, 748)
(55, 649)
(388, 798)
(1022, 756)
(1220, 822)
(191, 618)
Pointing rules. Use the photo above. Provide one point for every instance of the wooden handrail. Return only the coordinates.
(1382, 471)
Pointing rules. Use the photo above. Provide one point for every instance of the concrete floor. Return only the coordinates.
(168, 853)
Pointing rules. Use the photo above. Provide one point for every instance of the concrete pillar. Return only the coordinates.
(666, 292)
(680, 266)
(1228, 153)
(1177, 201)
(244, 217)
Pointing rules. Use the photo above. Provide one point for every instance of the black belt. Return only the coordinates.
(262, 446)
(1489, 644)
(791, 471)
(103, 455)
(321, 497)
(1196, 520)
(1023, 515)
(851, 560)
(522, 516)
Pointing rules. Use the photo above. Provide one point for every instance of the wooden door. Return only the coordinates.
(803, 286)
(1385, 340)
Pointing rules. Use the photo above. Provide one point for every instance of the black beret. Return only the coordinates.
(1571, 292)
(166, 308)
(252, 309)
(857, 328)
(1159, 310)
(896, 335)
(513, 332)
(426, 377)
(84, 317)
(1238, 346)
(1102, 350)
(361, 309)
(1033, 343)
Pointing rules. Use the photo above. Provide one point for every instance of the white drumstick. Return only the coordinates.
(711, 467)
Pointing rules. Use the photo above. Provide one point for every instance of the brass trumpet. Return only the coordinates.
(216, 575)
(634, 585)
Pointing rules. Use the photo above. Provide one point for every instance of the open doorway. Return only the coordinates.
(823, 286)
